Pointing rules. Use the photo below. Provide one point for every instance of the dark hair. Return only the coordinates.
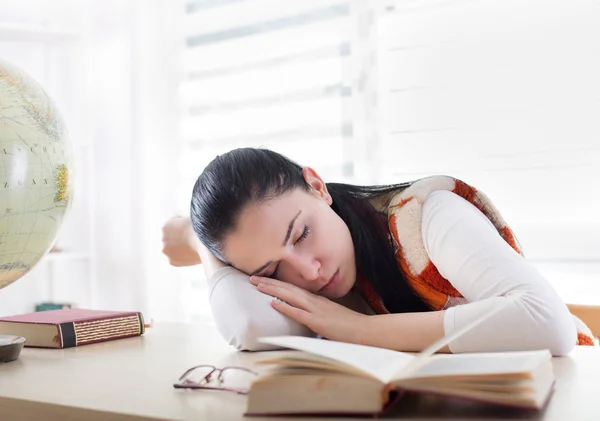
(249, 175)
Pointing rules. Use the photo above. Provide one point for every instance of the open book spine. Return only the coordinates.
(100, 330)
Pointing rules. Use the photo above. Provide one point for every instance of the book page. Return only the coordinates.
(377, 362)
(482, 364)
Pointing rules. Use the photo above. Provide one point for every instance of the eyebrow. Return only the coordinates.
(287, 238)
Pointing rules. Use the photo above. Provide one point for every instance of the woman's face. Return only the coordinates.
(296, 238)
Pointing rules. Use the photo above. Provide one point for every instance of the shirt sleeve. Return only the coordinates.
(243, 314)
(469, 252)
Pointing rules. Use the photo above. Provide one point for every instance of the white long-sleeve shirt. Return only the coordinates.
(468, 251)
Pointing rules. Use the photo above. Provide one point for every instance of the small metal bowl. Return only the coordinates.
(10, 347)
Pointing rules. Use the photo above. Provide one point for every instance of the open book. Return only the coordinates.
(328, 377)
(334, 377)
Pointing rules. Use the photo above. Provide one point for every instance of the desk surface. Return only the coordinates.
(132, 379)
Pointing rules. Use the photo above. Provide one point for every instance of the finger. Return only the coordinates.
(266, 280)
(271, 281)
(299, 315)
(294, 298)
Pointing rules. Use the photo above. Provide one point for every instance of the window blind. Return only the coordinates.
(266, 73)
(505, 95)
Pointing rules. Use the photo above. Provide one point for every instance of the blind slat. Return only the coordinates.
(269, 46)
(256, 16)
(264, 120)
(327, 158)
(274, 80)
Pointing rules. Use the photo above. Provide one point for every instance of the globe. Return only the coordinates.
(36, 171)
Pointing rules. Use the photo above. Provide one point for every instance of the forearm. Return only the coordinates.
(243, 314)
(409, 332)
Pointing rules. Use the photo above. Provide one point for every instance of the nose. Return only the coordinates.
(307, 266)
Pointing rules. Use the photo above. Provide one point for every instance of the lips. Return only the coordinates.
(330, 281)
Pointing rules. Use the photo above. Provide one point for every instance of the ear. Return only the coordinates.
(318, 186)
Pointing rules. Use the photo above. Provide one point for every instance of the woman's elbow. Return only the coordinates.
(536, 324)
(561, 336)
(562, 347)
(244, 333)
(558, 332)
(247, 338)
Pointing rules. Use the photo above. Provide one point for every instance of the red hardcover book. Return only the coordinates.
(67, 328)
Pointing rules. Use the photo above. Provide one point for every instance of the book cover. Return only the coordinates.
(67, 328)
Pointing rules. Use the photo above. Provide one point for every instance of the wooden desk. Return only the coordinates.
(132, 379)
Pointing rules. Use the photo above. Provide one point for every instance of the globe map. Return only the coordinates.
(36, 170)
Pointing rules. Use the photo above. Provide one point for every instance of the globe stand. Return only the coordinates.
(10, 347)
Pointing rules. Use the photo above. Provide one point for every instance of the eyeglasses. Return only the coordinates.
(229, 379)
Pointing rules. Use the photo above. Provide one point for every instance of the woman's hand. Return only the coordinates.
(321, 315)
(180, 243)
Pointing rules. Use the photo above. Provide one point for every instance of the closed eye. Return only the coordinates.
(302, 237)
(304, 234)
